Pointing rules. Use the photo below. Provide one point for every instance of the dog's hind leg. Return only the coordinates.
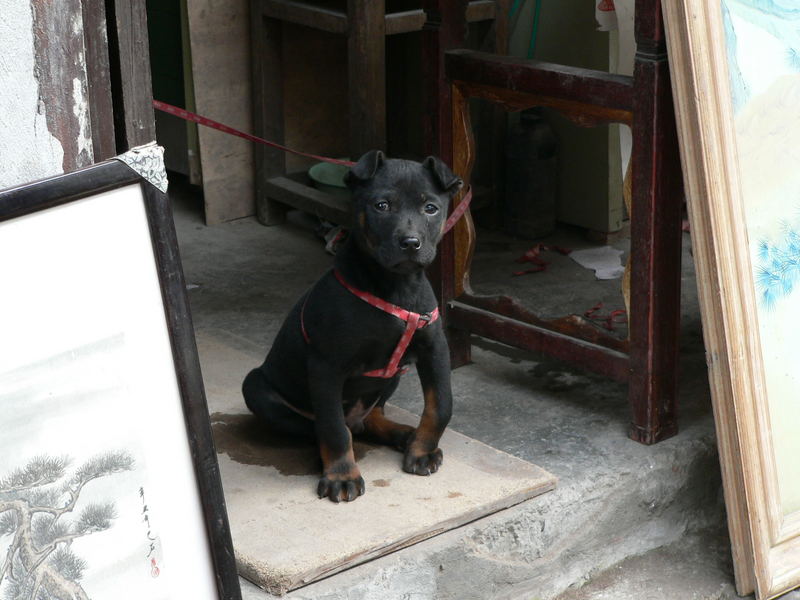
(267, 404)
(381, 430)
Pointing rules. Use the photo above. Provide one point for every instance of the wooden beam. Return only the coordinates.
(584, 86)
(481, 10)
(405, 22)
(132, 88)
(536, 339)
(98, 78)
(573, 326)
(266, 39)
(308, 199)
(308, 15)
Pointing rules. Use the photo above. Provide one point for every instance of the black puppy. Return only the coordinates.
(339, 355)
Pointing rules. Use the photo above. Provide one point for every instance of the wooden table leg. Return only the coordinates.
(446, 29)
(655, 248)
(459, 246)
(366, 53)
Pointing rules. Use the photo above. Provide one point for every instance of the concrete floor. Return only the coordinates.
(622, 512)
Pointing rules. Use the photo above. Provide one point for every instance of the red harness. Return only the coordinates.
(413, 322)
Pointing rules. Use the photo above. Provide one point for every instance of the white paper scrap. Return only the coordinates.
(605, 261)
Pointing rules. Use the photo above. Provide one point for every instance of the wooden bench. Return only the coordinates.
(365, 24)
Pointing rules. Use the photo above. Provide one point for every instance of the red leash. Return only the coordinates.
(458, 211)
(194, 117)
(205, 121)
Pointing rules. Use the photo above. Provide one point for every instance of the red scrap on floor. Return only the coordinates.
(532, 256)
(615, 317)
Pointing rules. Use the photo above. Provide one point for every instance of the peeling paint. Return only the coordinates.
(27, 148)
(80, 109)
(60, 60)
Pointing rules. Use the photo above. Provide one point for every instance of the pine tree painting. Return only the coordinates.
(778, 271)
(39, 511)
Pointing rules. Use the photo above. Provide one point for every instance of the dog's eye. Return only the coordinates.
(382, 205)
(431, 209)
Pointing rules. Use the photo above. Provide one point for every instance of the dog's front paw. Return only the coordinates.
(422, 462)
(341, 486)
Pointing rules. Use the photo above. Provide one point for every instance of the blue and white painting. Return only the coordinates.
(778, 266)
(763, 44)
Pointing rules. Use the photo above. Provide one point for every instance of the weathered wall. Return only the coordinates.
(44, 114)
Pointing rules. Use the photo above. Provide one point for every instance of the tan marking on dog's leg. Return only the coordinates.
(379, 429)
(423, 456)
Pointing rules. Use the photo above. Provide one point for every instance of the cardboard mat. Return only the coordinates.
(285, 537)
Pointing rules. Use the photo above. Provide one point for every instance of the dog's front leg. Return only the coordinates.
(341, 479)
(422, 455)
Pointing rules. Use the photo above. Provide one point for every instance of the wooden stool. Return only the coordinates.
(365, 24)
(648, 360)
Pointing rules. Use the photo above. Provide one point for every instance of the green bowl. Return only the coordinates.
(329, 178)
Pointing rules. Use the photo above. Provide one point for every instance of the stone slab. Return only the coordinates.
(285, 537)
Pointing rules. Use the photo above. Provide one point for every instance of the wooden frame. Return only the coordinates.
(99, 364)
(648, 360)
(765, 534)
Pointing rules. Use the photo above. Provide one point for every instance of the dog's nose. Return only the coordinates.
(410, 242)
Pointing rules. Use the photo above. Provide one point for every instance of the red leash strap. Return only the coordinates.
(458, 211)
(393, 367)
(392, 309)
(413, 321)
(194, 117)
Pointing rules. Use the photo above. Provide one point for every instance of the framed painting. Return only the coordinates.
(735, 68)
(109, 484)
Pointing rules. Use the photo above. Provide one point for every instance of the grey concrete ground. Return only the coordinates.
(626, 521)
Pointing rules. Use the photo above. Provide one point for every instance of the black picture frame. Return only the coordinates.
(33, 198)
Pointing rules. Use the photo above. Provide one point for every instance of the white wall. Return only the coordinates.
(44, 113)
(28, 150)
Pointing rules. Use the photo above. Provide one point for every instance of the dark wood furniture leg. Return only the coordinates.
(655, 238)
(366, 55)
(446, 28)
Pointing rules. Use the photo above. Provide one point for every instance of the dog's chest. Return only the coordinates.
(391, 336)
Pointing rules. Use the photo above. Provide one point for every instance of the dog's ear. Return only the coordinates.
(443, 175)
(365, 168)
